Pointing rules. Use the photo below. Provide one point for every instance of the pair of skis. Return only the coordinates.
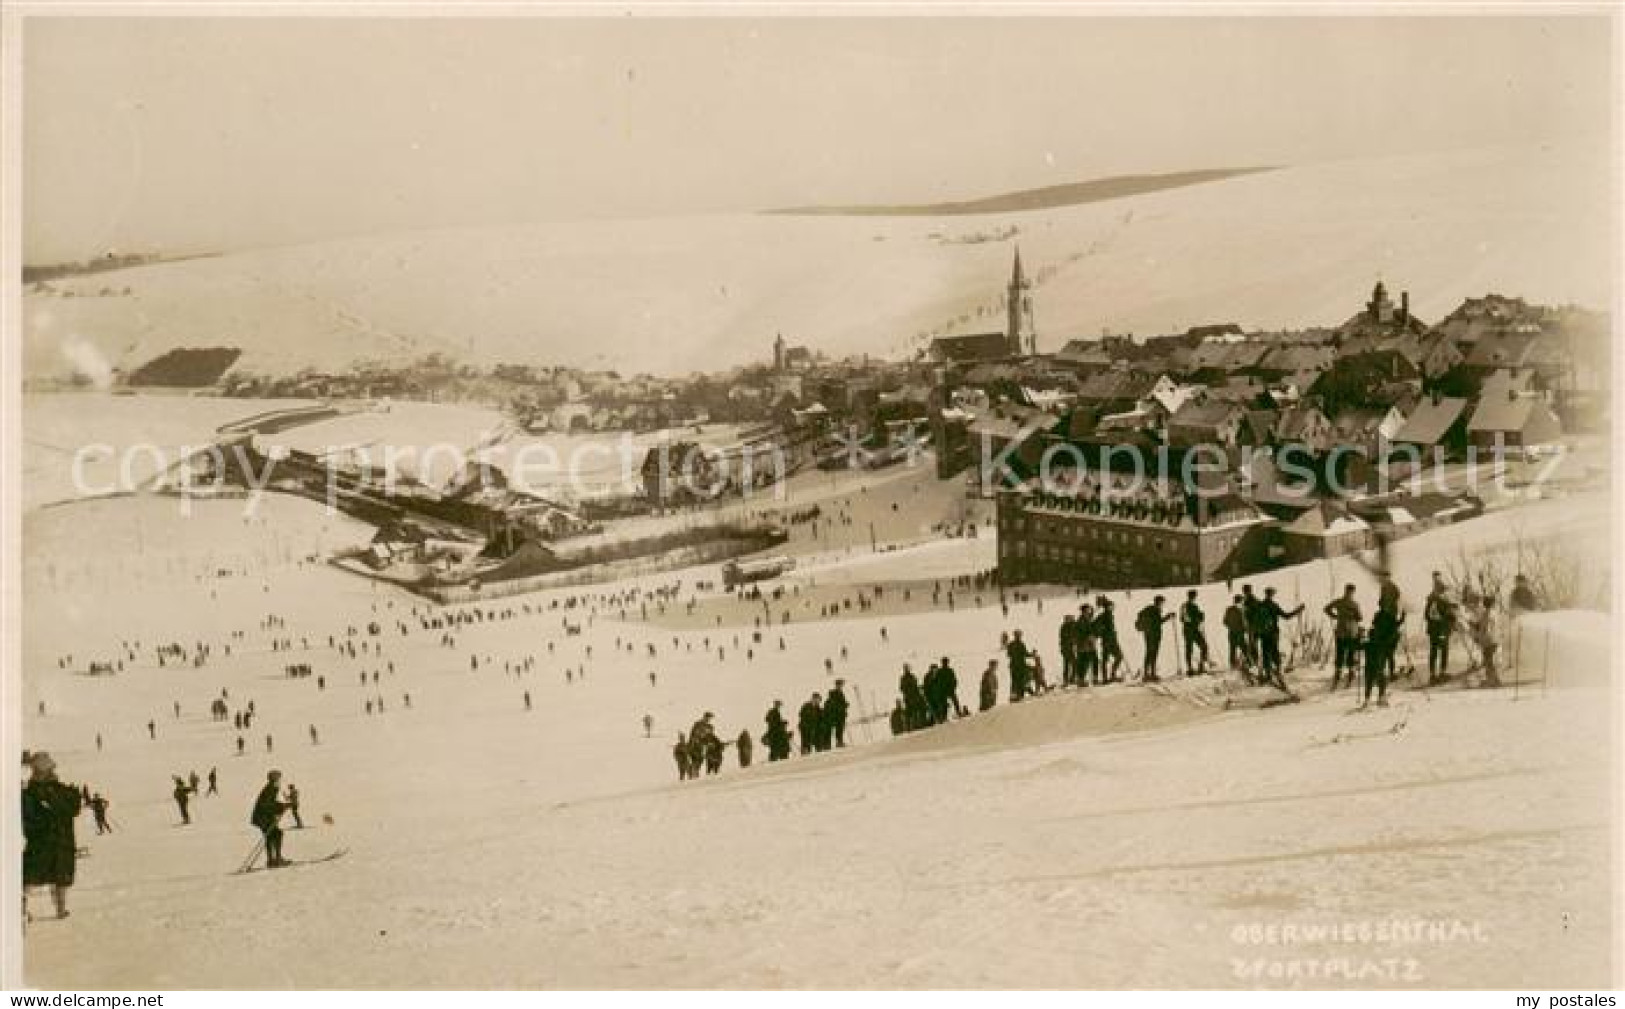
(259, 849)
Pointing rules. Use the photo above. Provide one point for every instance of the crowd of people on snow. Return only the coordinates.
(1089, 646)
(1092, 654)
(821, 724)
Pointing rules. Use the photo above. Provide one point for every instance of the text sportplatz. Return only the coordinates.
(1393, 965)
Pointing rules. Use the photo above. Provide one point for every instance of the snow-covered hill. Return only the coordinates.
(1114, 838)
(1288, 248)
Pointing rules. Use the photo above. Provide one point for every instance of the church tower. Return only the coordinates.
(1380, 309)
(779, 355)
(1019, 334)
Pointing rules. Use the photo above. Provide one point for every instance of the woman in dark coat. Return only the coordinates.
(49, 849)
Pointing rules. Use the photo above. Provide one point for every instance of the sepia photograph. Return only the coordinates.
(784, 497)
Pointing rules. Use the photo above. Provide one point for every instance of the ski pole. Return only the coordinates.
(253, 856)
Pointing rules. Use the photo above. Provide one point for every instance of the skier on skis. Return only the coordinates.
(268, 810)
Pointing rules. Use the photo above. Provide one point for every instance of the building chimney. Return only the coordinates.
(1404, 307)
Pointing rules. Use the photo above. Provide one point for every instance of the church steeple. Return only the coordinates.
(1019, 332)
(1380, 309)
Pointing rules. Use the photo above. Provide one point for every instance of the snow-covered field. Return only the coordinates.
(1117, 838)
(82, 444)
(1286, 249)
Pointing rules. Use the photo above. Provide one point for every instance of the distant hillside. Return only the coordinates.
(1066, 195)
(106, 264)
(1294, 247)
(186, 367)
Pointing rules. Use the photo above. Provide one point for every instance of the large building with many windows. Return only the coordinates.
(1114, 539)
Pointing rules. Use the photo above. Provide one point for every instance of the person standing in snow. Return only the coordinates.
(1345, 616)
(808, 722)
(292, 802)
(899, 718)
(714, 748)
(1017, 655)
(1149, 623)
(49, 849)
(679, 753)
(1235, 631)
(914, 703)
(1485, 635)
(1085, 655)
(98, 806)
(1069, 655)
(777, 736)
(1191, 619)
(1111, 650)
(267, 816)
(950, 690)
(1380, 641)
(835, 712)
(1270, 615)
(1439, 620)
(182, 794)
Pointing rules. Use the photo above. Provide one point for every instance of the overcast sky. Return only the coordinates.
(191, 134)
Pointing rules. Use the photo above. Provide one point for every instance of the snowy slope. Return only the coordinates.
(1119, 838)
(1289, 248)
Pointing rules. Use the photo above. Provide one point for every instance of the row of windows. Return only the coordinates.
(1105, 563)
(1054, 526)
(1214, 544)
(1138, 538)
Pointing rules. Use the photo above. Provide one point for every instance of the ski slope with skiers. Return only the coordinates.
(499, 777)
